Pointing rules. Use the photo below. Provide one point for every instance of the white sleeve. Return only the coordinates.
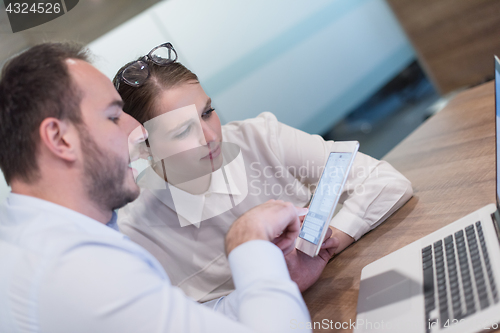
(374, 189)
(373, 192)
(99, 288)
(227, 305)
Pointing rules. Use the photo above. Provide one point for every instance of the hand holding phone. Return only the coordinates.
(264, 222)
(326, 197)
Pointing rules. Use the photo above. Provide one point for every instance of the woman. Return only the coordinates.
(204, 175)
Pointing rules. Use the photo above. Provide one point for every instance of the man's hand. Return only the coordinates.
(265, 221)
(305, 270)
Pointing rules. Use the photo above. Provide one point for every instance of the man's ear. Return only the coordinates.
(60, 138)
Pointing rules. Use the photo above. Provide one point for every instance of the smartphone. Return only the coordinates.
(326, 197)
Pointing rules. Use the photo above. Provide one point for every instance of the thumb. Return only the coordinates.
(301, 211)
(331, 243)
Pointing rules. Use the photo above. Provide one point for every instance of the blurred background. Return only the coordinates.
(366, 70)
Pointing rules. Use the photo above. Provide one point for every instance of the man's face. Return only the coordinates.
(106, 135)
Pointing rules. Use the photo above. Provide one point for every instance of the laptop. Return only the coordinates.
(447, 281)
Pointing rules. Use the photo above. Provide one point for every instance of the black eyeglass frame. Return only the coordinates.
(148, 57)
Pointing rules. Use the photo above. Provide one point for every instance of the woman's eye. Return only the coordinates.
(114, 119)
(183, 133)
(207, 114)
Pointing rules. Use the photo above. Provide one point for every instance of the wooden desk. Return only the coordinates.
(450, 160)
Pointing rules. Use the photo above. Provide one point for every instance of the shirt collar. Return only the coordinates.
(113, 223)
(83, 221)
(189, 207)
(219, 184)
(165, 192)
(150, 180)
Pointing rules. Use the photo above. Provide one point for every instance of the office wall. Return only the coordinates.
(309, 62)
(455, 39)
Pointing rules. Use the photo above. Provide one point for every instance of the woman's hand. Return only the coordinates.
(304, 270)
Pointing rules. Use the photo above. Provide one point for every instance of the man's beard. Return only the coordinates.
(105, 175)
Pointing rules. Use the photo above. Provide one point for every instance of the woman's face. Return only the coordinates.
(186, 134)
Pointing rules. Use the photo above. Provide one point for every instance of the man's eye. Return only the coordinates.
(207, 114)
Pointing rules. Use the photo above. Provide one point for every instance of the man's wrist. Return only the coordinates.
(257, 260)
(244, 231)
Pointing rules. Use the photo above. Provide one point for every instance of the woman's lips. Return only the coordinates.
(213, 154)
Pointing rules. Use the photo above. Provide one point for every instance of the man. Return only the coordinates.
(64, 151)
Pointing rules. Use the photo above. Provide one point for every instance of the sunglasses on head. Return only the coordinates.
(137, 72)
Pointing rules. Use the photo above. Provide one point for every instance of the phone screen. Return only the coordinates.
(326, 195)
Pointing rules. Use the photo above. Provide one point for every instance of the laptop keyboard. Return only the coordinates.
(458, 280)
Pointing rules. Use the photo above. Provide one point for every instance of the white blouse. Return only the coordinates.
(186, 232)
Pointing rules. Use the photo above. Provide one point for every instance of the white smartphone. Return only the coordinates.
(326, 197)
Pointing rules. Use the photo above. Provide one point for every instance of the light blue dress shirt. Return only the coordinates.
(61, 271)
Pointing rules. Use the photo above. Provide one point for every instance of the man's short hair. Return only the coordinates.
(35, 85)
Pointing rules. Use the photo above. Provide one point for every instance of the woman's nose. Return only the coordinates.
(209, 134)
(136, 143)
(138, 135)
(137, 132)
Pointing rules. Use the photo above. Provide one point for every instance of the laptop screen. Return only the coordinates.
(497, 126)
